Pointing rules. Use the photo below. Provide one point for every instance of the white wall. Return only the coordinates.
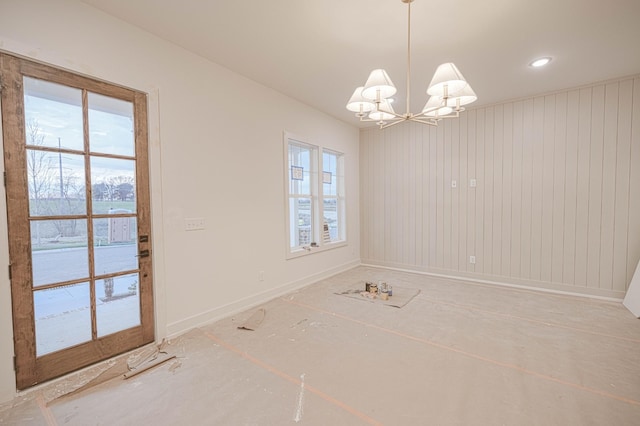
(557, 202)
(216, 152)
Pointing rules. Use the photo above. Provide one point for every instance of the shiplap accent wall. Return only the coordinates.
(557, 201)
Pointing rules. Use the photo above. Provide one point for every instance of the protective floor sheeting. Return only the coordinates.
(458, 353)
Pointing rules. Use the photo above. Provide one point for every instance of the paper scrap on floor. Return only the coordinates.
(254, 320)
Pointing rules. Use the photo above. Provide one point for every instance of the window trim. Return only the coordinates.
(317, 197)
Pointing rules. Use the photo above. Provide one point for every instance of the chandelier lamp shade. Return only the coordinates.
(449, 92)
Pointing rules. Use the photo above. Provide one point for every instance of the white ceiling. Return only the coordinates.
(319, 51)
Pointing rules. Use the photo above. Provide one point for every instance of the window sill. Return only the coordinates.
(301, 252)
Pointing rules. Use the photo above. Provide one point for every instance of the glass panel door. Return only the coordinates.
(82, 289)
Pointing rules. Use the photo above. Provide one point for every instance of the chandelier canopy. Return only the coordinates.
(448, 92)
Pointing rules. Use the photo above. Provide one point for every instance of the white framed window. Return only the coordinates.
(315, 201)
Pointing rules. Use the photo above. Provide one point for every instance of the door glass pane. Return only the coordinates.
(110, 125)
(59, 250)
(113, 185)
(115, 245)
(118, 304)
(53, 115)
(62, 317)
(56, 183)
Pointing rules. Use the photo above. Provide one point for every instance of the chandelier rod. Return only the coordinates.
(408, 58)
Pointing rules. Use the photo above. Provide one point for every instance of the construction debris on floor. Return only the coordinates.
(383, 293)
(254, 321)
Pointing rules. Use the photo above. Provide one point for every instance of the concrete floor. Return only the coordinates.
(456, 354)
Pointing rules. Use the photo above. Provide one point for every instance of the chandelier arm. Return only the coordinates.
(427, 111)
(453, 114)
(430, 121)
(392, 123)
(395, 114)
(399, 118)
(456, 115)
(423, 114)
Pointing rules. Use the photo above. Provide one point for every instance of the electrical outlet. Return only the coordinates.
(194, 224)
(454, 184)
(472, 183)
(472, 260)
(260, 275)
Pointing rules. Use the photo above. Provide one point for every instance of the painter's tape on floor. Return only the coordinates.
(401, 296)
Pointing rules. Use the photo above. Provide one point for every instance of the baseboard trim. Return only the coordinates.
(598, 294)
(179, 327)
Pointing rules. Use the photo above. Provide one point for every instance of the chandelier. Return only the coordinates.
(448, 92)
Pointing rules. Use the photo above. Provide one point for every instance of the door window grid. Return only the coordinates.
(58, 187)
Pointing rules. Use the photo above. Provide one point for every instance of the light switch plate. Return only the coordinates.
(194, 224)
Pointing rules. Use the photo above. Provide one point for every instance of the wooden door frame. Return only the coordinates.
(30, 369)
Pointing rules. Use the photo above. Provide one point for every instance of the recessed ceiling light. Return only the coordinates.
(541, 62)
